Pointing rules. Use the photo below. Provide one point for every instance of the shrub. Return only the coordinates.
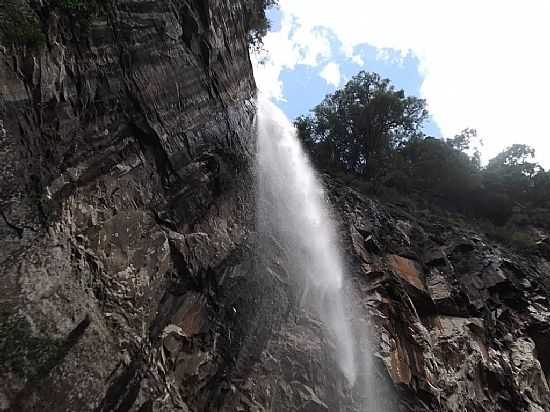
(511, 236)
(21, 351)
(71, 4)
(81, 9)
(19, 27)
(257, 22)
(78, 6)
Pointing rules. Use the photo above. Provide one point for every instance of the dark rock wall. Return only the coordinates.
(461, 323)
(125, 153)
(456, 322)
(131, 278)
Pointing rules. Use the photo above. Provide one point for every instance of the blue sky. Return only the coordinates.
(478, 64)
(304, 88)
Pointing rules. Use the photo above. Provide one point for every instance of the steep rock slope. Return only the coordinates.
(456, 321)
(461, 323)
(125, 149)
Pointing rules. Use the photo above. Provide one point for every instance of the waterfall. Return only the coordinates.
(292, 209)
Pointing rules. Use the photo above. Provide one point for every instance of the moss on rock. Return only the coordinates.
(21, 351)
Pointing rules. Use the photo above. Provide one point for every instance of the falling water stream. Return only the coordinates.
(292, 208)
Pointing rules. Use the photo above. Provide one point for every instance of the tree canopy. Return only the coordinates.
(357, 127)
(257, 22)
(374, 131)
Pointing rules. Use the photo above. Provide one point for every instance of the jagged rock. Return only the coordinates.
(131, 278)
(460, 352)
(408, 270)
(438, 287)
(192, 316)
(149, 111)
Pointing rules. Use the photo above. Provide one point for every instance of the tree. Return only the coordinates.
(512, 173)
(370, 129)
(257, 22)
(305, 131)
(541, 187)
(20, 25)
(443, 167)
(357, 128)
(515, 156)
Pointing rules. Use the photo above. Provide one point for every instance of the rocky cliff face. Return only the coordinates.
(125, 151)
(461, 322)
(456, 321)
(131, 278)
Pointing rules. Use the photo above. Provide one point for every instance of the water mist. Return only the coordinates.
(292, 211)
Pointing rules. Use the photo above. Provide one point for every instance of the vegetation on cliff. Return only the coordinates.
(372, 132)
(21, 22)
(24, 24)
(258, 24)
(19, 26)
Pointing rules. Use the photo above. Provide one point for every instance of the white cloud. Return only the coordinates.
(293, 44)
(331, 74)
(485, 63)
(358, 60)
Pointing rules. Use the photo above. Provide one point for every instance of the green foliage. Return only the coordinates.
(515, 155)
(70, 4)
(20, 27)
(511, 236)
(78, 15)
(541, 187)
(257, 22)
(21, 351)
(372, 131)
(81, 9)
(512, 173)
(442, 167)
(357, 128)
(78, 6)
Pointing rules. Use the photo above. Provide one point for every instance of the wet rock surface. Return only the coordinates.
(131, 274)
(457, 317)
